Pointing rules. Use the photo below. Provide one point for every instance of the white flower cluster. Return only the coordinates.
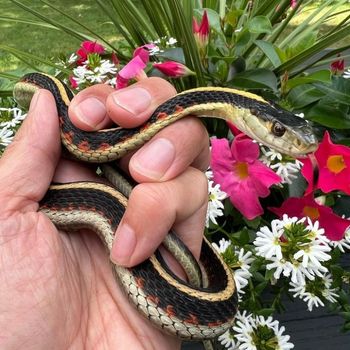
(161, 44)
(297, 249)
(13, 117)
(311, 298)
(298, 257)
(84, 74)
(286, 169)
(216, 196)
(255, 333)
(241, 265)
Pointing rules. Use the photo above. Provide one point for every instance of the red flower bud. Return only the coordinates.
(173, 69)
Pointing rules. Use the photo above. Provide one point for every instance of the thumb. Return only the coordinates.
(28, 164)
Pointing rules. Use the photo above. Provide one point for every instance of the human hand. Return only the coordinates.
(56, 288)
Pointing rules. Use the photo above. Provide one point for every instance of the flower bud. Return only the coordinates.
(173, 69)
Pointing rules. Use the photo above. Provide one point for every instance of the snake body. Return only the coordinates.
(187, 311)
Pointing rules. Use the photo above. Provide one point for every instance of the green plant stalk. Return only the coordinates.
(25, 55)
(183, 33)
(156, 18)
(306, 24)
(115, 21)
(308, 53)
(252, 50)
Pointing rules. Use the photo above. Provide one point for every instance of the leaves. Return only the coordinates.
(255, 79)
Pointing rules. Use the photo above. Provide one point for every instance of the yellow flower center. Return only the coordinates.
(311, 212)
(336, 164)
(241, 169)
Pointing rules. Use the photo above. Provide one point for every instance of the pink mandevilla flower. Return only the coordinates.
(134, 67)
(173, 69)
(293, 4)
(86, 48)
(241, 175)
(201, 31)
(333, 225)
(333, 163)
(338, 66)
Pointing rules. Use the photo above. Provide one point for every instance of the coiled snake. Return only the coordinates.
(180, 308)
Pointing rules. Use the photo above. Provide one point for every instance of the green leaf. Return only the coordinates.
(301, 45)
(323, 76)
(270, 52)
(260, 24)
(266, 312)
(329, 115)
(304, 95)
(339, 90)
(255, 79)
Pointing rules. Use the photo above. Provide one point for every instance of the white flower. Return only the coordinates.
(346, 74)
(17, 117)
(242, 274)
(223, 245)
(287, 170)
(303, 258)
(322, 290)
(171, 41)
(268, 241)
(6, 136)
(249, 331)
(72, 58)
(227, 340)
(343, 244)
(215, 205)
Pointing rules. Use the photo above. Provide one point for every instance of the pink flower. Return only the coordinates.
(88, 47)
(333, 225)
(73, 82)
(241, 175)
(130, 71)
(333, 163)
(201, 31)
(338, 66)
(293, 4)
(173, 69)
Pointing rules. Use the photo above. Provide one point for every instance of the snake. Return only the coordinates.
(204, 306)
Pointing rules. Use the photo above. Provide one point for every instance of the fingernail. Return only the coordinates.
(124, 245)
(91, 112)
(134, 100)
(154, 159)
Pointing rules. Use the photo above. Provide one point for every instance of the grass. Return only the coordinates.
(51, 43)
(48, 42)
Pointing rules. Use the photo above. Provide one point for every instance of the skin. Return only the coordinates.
(56, 288)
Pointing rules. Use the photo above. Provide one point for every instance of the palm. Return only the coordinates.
(66, 281)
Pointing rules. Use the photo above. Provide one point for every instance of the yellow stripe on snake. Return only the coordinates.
(193, 310)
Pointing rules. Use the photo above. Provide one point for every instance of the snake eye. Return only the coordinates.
(278, 129)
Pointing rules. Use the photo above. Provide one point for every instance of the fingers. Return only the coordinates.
(152, 210)
(28, 164)
(96, 107)
(168, 153)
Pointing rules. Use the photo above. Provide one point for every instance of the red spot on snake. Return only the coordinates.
(104, 146)
(61, 121)
(140, 282)
(215, 324)
(68, 136)
(84, 146)
(162, 115)
(153, 299)
(178, 109)
(170, 310)
(192, 319)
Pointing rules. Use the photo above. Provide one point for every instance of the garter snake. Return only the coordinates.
(187, 311)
